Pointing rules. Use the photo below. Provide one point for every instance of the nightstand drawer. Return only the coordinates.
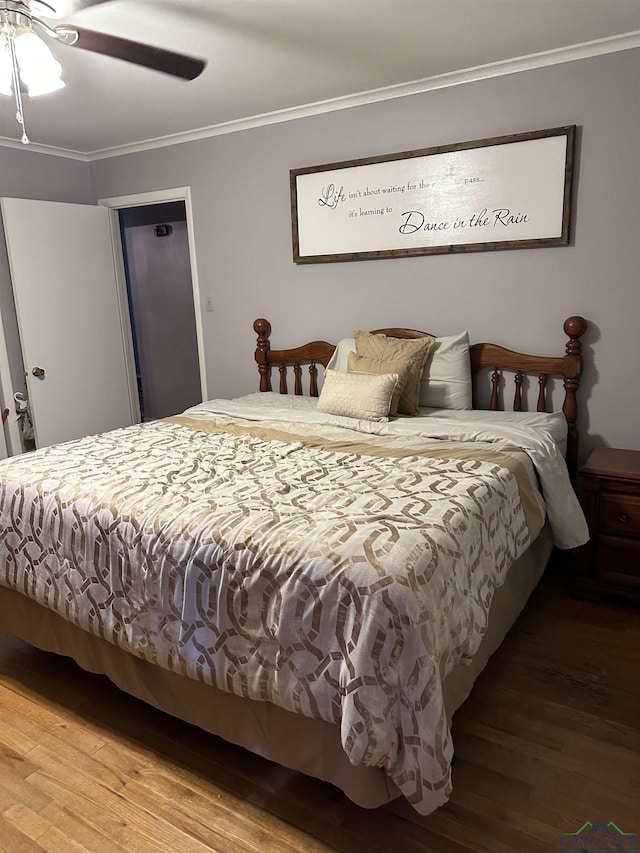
(620, 514)
(618, 561)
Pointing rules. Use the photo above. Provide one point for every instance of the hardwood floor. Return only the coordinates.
(549, 739)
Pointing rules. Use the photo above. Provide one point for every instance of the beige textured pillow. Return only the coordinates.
(412, 352)
(361, 364)
(357, 395)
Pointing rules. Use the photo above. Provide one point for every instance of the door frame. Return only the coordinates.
(117, 203)
(12, 435)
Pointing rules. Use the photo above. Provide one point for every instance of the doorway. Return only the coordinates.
(159, 286)
(159, 300)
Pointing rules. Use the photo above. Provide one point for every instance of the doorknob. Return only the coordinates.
(38, 372)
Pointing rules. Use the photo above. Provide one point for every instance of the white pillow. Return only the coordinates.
(446, 379)
(364, 396)
(340, 359)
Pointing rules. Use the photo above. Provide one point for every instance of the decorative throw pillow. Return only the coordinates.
(412, 352)
(446, 380)
(357, 395)
(361, 364)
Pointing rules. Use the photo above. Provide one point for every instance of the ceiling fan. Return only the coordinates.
(26, 60)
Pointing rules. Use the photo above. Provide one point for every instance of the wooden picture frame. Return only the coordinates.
(505, 192)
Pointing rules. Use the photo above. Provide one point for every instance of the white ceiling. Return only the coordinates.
(269, 56)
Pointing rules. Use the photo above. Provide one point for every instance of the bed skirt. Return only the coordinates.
(299, 743)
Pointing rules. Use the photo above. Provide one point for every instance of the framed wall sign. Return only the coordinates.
(507, 192)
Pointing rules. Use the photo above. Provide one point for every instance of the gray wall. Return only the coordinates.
(520, 298)
(27, 174)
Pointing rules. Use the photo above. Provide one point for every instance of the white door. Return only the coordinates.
(63, 275)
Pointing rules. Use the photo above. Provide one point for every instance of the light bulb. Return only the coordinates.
(39, 70)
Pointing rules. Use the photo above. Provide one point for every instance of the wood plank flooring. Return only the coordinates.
(549, 739)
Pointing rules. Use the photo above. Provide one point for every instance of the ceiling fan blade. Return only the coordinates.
(63, 8)
(158, 58)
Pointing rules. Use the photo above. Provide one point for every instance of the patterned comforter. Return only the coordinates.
(338, 574)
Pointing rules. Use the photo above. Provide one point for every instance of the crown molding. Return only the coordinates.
(37, 148)
(586, 50)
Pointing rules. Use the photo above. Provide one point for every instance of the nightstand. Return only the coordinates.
(610, 562)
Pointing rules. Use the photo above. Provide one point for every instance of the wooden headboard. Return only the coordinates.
(488, 361)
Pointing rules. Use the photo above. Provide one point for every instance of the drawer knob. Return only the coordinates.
(624, 517)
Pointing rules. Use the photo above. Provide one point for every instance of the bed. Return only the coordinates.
(321, 588)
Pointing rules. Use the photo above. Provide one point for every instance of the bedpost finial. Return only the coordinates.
(575, 327)
(262, 327)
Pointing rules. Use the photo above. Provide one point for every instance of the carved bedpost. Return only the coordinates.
(574, 327)
(262, 328)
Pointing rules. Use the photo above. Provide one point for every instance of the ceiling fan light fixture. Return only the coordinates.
(39, 70)
(24, 58)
